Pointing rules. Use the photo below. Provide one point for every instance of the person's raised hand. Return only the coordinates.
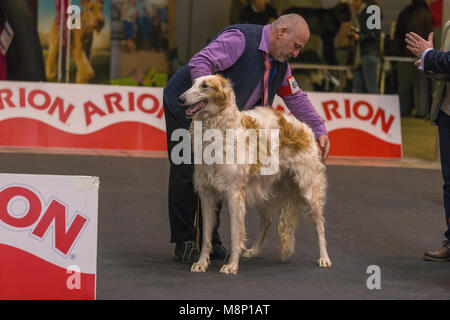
(417, 45)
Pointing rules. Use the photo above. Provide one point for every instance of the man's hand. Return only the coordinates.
(324, 143)
(417, 45)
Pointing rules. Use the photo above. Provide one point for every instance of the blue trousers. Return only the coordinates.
(365, 75)
(443, 121)
(128, 28)
(144, 25)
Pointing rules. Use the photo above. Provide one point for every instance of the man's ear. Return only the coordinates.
(282, 31)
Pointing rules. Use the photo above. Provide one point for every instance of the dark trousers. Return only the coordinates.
(365, 75)
(443, 121)
(184, 203)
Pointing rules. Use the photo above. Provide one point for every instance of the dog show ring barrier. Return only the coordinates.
(48, 236)
(56, 115)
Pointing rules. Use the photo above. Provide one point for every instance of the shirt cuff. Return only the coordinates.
(422, 59)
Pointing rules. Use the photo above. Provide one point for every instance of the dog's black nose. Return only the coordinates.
(181, 100)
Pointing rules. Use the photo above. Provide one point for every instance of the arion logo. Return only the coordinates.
(22, 208)
(360, 110)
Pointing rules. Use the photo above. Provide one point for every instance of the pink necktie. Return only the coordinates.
(266, 79)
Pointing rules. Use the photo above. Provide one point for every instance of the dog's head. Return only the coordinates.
(208, 96)
(92, 15)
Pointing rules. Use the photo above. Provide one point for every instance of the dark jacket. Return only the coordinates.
(369, 38)
(24, 56)
(437, 62)
(416, 18)
(245, 74)
(442, 79)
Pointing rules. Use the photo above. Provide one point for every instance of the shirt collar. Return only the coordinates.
(265, 37)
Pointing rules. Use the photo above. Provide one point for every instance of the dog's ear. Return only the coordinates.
(225, 83)
(218, 84)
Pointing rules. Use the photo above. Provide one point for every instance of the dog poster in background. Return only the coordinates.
(89, 44)
(140, 33)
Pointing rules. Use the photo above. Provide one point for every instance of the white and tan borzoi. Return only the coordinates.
(297, 188)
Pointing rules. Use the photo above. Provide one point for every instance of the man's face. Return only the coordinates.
(290, 43)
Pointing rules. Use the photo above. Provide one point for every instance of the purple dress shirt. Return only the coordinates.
(227, 48)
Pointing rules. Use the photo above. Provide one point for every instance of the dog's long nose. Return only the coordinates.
(181, 100)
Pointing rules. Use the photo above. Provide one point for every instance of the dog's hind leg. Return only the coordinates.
(209, 220)
(312, 185)
(316, 203)
(265, 220)
(235, 201)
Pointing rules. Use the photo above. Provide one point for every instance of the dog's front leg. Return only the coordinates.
(209, 221)
(236, 208)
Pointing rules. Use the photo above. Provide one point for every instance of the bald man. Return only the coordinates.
(239, 53)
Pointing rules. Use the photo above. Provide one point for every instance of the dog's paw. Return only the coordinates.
(199, 267)
(324, 262)
(230, 268)
(250, 253)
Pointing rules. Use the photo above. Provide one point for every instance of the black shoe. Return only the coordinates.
(186, 252)
(219, 252)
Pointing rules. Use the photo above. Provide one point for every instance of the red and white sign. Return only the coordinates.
(359, 125)
(48, 236)
(36, 114)
(132, 118)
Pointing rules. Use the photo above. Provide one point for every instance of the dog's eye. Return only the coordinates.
(204, 86)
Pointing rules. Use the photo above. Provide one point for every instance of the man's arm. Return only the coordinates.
(301, 107)
(431, 61)
(218, 55)
(437, 62)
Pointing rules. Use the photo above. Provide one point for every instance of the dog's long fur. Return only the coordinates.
(299, 186)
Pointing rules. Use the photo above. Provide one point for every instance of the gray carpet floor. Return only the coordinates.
(385, 217)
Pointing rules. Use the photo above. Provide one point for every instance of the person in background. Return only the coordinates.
(367, 51)
(129, 14)
(413, 87)
(155, 34)
(258, 12)
(438, 64)
(235, 10)
(144, 22)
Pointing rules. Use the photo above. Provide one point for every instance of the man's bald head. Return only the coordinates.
(292, 20)
(288, 35)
